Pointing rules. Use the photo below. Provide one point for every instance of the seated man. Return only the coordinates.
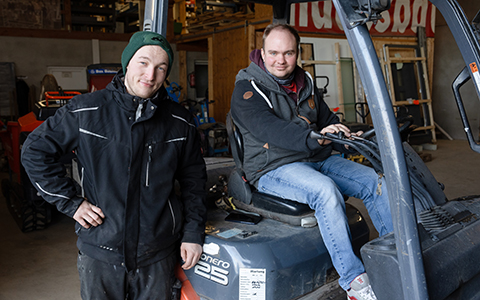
(276, 105)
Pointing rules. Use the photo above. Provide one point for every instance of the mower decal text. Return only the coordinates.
(252, 284)
(213, 269)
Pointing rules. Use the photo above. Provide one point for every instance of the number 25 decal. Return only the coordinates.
(212, 272)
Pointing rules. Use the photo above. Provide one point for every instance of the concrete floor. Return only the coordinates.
(41, 265)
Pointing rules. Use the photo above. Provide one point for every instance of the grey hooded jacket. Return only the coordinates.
(275, 128)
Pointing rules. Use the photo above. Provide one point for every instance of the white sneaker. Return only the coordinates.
(360, 289)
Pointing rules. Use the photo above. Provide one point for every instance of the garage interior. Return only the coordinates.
(211, 43)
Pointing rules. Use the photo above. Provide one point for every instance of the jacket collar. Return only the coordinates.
(130, 102)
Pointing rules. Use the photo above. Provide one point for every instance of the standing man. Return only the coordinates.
(132, 143)
(276, 105)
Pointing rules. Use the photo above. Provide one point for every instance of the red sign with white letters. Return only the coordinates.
(402, 19)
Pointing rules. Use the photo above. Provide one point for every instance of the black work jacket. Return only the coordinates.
(128, 169)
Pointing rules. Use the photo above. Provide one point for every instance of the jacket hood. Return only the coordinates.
(256, 57)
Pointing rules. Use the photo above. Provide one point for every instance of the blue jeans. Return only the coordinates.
(322, 185)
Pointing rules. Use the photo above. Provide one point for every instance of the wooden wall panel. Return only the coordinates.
(263, 11)
(229, 54)
(182, 73)
(259, 39)
(38, 14)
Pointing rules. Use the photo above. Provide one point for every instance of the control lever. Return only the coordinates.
(367, 148)
(327, 136)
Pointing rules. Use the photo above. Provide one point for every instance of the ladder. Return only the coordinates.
(413, 54)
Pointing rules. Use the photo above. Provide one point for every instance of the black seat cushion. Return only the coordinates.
(241, 190)
(279, 205)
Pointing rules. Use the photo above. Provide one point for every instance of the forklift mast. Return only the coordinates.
(354, 15)
(407, 241)
(156, 16)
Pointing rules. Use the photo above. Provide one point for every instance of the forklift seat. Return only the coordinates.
(247, 197)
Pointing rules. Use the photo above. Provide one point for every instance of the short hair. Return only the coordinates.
(279, 26)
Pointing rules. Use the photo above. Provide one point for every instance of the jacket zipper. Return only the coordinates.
(147, 183)
(173, 216)
(81, 182)
(147, 176)
(138, 113)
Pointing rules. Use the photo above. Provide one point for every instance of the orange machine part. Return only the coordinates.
(11, 139)
(60, 96)
(57, 95)
(187, 293)
(28, 122)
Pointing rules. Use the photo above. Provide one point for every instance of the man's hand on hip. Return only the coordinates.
(190, 253)
(88, 215)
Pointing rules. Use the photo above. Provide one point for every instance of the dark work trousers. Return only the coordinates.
(103, 281)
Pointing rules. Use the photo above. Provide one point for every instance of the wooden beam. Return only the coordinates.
(258, 39)
(182, 73)
(197, 46)
(182, 15)
(141, 14)
(211, 86)
(251, 38)
(67, 14)
(64, 34)
(305, 59)
(192, 36)
(430, 59)
(388, 70)
(317, 62)
(413, 102)
(263, 11)
(341, 107)
(406, 59)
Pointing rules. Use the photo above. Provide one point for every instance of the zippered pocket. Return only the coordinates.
(149, 145)
(173, 216)
(149, 160)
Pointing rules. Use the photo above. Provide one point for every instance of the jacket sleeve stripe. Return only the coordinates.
(81, 182)
(50, 194)
(182, 119)
(84, 109)
(262, 94)
(91, 133)
(176, 140)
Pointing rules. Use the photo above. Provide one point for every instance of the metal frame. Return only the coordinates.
(156, 16)
(407, 240)
(398, 184)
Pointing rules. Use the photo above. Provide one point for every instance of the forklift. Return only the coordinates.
(273, 249)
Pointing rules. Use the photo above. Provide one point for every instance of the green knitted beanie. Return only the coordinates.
(144, 38)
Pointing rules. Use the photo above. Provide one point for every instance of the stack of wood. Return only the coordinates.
(212, 19)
